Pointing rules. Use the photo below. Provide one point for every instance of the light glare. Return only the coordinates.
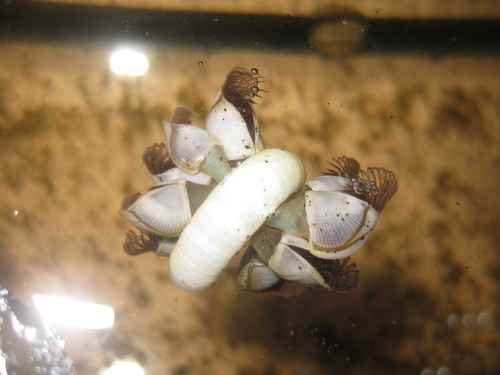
(129, 62)
(124, 368)
(62, 311)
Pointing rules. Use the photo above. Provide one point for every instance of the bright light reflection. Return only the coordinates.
(124, 368)
(62, 311)
(129, 62)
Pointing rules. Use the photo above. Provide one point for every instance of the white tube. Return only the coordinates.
(231, 214)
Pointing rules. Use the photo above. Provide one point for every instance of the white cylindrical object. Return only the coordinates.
(231, 214)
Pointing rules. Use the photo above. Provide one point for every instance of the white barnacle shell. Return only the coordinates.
(161, 167)
(339, 223)
(188, 145)
(176, 173)
(162, 209)
(293, 262)
(344, 207)
(194, 150)
(231, 214)
(229, 127)
(254, 275)
(231, 118)
(328, 183)
(336, 212)
(289, 265)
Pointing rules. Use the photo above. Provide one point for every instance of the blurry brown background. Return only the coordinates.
(72, 135)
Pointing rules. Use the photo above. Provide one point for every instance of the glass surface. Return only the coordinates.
(72, 134)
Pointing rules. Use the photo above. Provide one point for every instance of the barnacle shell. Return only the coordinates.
(162, 169)
(293, 262)
(328, 183)
(289, 265)
(177, 173)
(188, 145)
(229, 127)
(338, 223)
(264, 241)
(254, 275)
(162, 209)
(231, 118)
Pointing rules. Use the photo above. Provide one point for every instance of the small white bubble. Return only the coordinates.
(443, 370)
(15, 213)
(454, 321)
(427, 371)
(485, 319)
(469, 320)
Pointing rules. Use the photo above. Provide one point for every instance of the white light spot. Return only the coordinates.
(62, 311)
(129, 62)
(124, 368)
(15, 213)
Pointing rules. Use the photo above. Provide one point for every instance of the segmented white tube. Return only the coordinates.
(231, 214)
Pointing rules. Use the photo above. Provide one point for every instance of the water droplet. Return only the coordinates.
(200, 63)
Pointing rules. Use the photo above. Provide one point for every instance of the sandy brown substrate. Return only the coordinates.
(72, 136)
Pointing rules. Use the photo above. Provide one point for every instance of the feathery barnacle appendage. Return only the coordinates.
(136, 245)
(157, 160)
(240, 87)
(338, 274)
(344, 167)
(183, 115)
(375, 186)
(386, 184)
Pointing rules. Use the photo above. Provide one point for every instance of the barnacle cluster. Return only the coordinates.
(218, 190)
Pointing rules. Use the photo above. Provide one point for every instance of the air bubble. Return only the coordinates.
(443, 370)
(426, 371)
(255, 71)
(454, 321)
(485, 319)
(200, 63)
(468, 320)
